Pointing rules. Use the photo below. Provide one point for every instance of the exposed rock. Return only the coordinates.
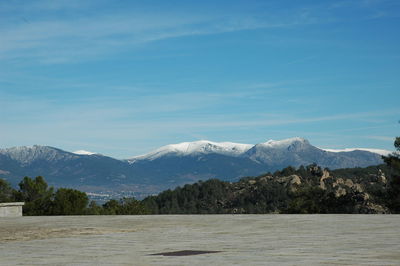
(252, 181)
(340, 192)
(290, 182)
(339, 181)
(265, 178)
(378, 209)
(381, 177)
(366, 196)
(295, 180)
(349, 183)
(358, 188)
(325, 175)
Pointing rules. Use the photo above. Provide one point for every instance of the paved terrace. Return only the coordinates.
(201, 240)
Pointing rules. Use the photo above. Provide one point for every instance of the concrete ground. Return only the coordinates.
(186, 239)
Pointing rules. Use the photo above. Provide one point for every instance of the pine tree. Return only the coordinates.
(393, 161)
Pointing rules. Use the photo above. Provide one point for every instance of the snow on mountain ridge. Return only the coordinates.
(201, 146)
(83, 152)
(378, 151)
(28, 154)
(233, 149)
(283, 143)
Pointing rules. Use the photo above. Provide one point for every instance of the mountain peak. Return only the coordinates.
(28, 154)
(22, 149)
(197, 147)
(284, 143)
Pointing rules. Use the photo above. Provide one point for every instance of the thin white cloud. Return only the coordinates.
(51, 38)
(63, 40)
(56, 40)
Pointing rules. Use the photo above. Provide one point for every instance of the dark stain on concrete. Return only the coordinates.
(185, 253)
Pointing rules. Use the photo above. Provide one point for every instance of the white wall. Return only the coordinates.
(11, 209)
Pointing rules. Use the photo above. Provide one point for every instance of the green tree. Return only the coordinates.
(94, 209)
(69, 202)
(393, 161)
(308, 199)
(7, 193)
(111, 207)
(151, 205)
(37, 196)
(131, 206)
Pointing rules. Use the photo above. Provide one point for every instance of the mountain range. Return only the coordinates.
(172, 165)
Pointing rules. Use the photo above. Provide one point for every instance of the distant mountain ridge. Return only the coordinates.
(171, 165)
(232, 149)
(196, 147)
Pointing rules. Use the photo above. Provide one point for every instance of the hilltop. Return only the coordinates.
(310, 189)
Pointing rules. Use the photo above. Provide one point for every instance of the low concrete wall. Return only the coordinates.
(11, 209)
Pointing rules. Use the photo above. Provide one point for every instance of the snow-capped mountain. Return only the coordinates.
(285, 143)
(196, 148)
(174, 164)
(274, 153)
(298, 151)
(60, 168)
(278, 152)
(26, 155)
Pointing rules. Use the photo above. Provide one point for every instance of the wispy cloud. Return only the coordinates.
(89, 35)
(64, 40)
(54, 39)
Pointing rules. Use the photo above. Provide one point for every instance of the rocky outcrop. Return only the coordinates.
(291, 182)
(325, 175)
(382, 177)
(343, 187)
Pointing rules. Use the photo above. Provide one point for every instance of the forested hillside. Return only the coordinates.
(308, 189)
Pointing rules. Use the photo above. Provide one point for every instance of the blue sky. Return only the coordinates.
(125, 77)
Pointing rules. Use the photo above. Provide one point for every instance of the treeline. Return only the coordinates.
(40, 199)
(356, 190)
